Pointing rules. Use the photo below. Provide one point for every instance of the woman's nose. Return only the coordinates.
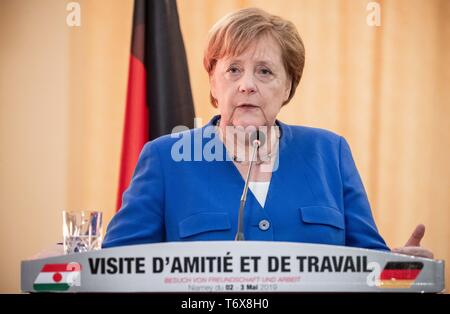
(247, 84)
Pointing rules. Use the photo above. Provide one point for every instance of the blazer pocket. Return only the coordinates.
(203, 222)
(323, 215)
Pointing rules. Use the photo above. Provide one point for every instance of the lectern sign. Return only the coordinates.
(230, 266)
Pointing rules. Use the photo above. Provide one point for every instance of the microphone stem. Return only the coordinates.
(240, 232)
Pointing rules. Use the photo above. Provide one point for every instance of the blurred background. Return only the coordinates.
(62, 99)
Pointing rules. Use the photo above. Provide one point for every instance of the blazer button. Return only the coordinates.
(264, 225)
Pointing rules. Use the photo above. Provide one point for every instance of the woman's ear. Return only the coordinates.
(212, 86)
(287, 90)
(212, 91)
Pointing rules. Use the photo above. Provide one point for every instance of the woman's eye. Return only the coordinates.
(233, 70)
(265, 72)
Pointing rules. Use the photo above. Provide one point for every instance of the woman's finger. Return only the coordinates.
(414, 251)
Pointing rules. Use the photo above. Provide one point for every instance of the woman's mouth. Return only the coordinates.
(248, 106)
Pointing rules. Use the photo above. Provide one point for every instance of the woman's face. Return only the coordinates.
(251, 88)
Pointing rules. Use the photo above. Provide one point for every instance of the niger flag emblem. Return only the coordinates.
(58, 277)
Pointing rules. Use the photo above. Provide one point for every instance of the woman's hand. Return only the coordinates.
(412, 246)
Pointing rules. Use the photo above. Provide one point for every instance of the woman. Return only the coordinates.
(304, 185)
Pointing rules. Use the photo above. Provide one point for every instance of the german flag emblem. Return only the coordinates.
(400, 275)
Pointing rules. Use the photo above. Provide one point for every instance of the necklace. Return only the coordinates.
(265, 159)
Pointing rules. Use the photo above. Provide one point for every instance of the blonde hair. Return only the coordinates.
(233, 34)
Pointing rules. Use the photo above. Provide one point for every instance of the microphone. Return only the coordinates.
(257, 139)
(259, 136)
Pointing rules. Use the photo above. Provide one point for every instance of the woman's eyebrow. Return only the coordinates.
(265, 62)
(258, 62)
(232, 60)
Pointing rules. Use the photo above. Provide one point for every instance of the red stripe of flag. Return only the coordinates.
(53, 268)
(135, 132)
(400, 274)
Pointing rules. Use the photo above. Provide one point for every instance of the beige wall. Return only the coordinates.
(34, 116)
(62, 93)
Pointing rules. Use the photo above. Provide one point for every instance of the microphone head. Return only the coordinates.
(258, 136)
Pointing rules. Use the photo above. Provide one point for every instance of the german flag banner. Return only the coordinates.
(159, 93)
(400, 274)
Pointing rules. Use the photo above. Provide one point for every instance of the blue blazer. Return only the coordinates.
(316, 196)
